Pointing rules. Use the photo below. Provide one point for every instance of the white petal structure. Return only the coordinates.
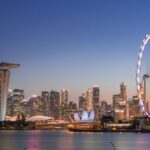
(92, 115)
(76, 117)
(85, 117)
(138, 72)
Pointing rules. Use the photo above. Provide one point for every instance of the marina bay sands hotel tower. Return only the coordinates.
(4, 82)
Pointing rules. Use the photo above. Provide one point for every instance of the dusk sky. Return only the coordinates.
(73, 44)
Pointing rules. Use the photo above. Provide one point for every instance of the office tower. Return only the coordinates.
(17, 98)
(120, 104)
(123, 91)
(64, 98)
(106, 109)
(103, 108)
(25, 108)
(37, 107)
(54, 104)
(134, 108)
(119, 107)
(82, 102)
(16, 103)
(96, 96)
(72, 106)
(46, 101)
(9, 103)
(4, 82)
(72, 109)
(96, 102)
(89, 104)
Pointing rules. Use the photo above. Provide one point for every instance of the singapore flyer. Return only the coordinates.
(140, 78)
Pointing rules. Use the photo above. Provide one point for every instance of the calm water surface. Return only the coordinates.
(65, 140)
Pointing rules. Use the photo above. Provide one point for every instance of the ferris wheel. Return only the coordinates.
(139, 80)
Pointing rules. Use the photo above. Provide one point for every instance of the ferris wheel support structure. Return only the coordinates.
(138, 74)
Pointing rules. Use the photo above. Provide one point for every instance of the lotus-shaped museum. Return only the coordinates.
(84, 117)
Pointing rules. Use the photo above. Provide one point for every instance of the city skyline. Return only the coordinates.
(73, 45)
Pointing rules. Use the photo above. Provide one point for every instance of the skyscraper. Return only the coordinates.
(134, 108)
(17, 98)
(123, 91)
(4, 82)
(96, 101)
(82, 102)
(54, 104)
(37, 107)
(46, 101)
(64, 98)
(89, 99)
(120, 103)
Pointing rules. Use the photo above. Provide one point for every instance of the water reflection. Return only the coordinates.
(65, 140)
(33, 141)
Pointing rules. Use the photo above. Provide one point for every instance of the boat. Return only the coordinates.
(85, 127)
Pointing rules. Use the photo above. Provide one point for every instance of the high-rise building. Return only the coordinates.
(72, 106)
(37, 106)
(96, 96)
(25, 108)
(64, 98)
(106, 109)
(9, 103)
(54, 104)
(123, 91)
(89, 103)
(46, 101)
(4, 82)
(17, 104)
(134, 108)
(96, 102)
(120, 104)
(119, 107)
(17, 98)
(82, 102)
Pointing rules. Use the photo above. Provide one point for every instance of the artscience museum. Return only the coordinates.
(84, 117)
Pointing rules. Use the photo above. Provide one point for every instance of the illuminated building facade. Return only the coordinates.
(54, 104)
(25, 108)
(134, 108)
(96, 101)
(120, 104)
(82, 102)
(37, 106)
(64, 98)
(72, 106)
(123, 91)
(46, 101)
(4, 82)
(64, 104)
(89, 104)
(106, 109)
(119, 107)
(17, 98)
(16, 103)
